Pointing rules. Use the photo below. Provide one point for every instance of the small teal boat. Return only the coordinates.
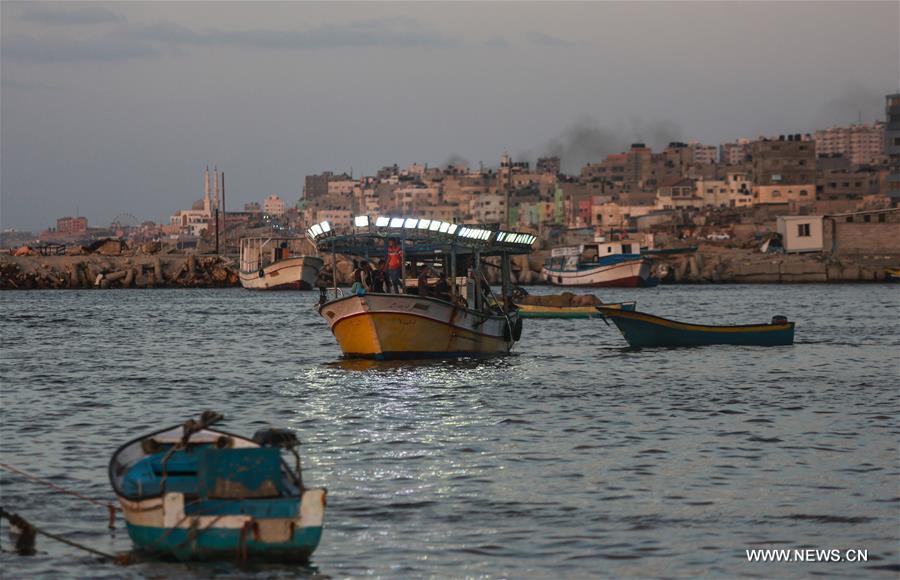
(646, 330)
(192, 493)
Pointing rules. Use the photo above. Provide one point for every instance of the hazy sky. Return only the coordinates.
(113, 108)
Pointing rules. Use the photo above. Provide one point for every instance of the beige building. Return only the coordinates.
(273, 205)
(799, 194)
(801, 233)
(862, 144)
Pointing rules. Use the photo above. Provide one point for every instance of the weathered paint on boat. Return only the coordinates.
(222, 496)
(391, 326)
(297, 273)
(539, 311)
(622, 271)
(646, 330)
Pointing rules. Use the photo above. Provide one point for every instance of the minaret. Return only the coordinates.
(216, 199)
(206, 201)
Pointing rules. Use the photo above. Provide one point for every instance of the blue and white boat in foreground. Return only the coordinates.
(191, 492)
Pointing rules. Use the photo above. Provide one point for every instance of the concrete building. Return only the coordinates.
(273, 206)
(548, 165)
(864, 232)
(798, 194)
(861, 144)
(892, 145)
(703, 154)
(789, 159)
(801, 233)
(735, 153)
(71, 225)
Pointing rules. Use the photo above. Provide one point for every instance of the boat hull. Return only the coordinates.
(159, 526)
(645, 330)
(627, 274)
(289, 274)
(537, 311)
(396, 326)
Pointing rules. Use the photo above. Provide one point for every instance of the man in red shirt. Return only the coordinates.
(394, 267)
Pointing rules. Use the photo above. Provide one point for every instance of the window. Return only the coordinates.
(867, 218)
(849, 219)
(881, 217)
(803, 193)
(802, 230)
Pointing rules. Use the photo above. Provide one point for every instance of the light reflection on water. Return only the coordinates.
(575, 456)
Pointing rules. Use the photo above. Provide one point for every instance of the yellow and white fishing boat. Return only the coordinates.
(453, 320)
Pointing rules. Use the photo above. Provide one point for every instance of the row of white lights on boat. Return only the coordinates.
(362, 221)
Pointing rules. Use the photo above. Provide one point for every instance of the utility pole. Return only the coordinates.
(224, 217)
(216, 204)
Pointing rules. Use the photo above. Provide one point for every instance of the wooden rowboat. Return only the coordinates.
(646, 330)
(541, 311)
(191, 492)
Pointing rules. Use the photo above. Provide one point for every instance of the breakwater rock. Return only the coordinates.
(100, 271)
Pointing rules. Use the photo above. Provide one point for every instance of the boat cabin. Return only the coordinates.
(433, 251)
(258, 253)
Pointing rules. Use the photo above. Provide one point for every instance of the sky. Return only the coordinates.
(116, 108)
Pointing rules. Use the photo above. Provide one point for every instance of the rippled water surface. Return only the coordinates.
(573, 457)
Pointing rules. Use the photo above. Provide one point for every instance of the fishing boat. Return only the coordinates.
(452, 321)
(277, 264)
(564, 305)
(646, 330)
(892, 274)
(602, 263)
(191, 492)
(544, 311)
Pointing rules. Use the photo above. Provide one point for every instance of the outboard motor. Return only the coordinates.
(779, 320)
(282, 439)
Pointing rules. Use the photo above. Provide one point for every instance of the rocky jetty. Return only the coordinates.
(30, 272)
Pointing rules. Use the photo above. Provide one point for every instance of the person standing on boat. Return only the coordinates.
(394, 267)
(423, 281)
(378, 278)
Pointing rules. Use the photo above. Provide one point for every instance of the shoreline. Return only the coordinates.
(709, 265)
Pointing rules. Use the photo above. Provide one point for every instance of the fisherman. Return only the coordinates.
(357, 288)
(394, 267)
(378, 278)
(423, 281)
(442, 289)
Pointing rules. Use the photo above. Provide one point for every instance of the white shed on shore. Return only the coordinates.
(801, 233)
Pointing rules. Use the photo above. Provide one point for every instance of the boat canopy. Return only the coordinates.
(423, 237)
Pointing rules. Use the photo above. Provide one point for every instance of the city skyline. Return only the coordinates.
(116, 108)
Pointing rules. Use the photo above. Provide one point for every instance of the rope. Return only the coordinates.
(110, 507)
(31, 529)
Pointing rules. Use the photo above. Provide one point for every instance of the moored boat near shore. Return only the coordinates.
(446, 320)
(646, 330)
(191, 492)
(600, 264)
(277, 264)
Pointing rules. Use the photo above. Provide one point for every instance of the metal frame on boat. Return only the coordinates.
(468, 321)
(646, 330)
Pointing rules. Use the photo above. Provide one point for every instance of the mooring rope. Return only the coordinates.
(25, 545)
(109, 507)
